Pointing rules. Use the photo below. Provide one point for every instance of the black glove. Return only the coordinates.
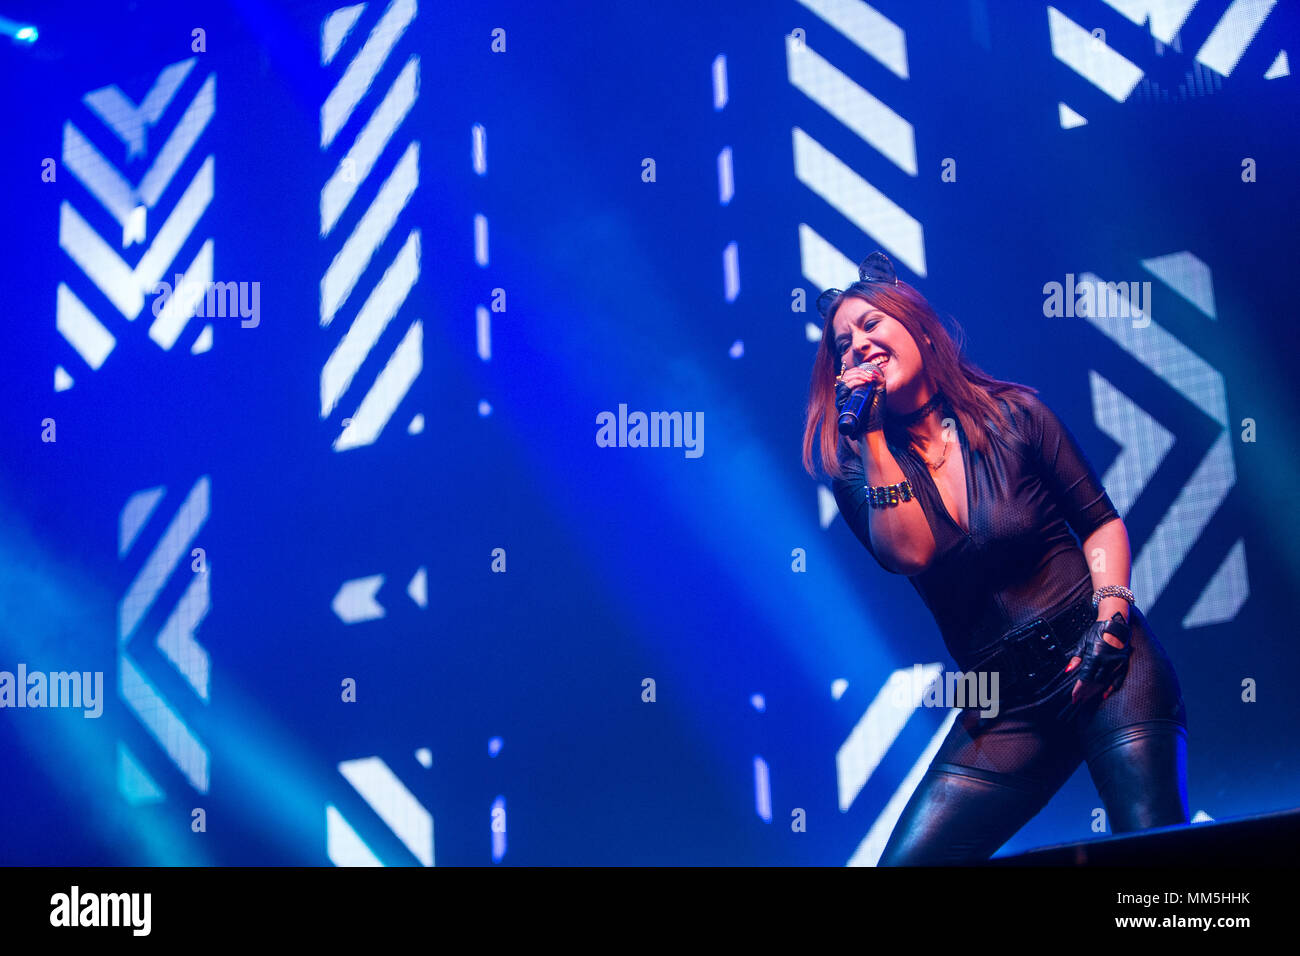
(872, 418)
(1102, 663)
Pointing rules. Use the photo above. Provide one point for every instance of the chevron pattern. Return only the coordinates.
(126, 191)
(1145, 443)
(1218, 54)
(357, 128)
(165, 560)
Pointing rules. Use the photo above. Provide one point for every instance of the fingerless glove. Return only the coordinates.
(1100, 662)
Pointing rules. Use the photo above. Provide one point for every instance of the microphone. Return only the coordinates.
(859, 398)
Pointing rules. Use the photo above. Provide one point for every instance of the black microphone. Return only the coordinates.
(858, 400)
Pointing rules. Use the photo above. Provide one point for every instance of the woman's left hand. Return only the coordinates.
(1104, 664)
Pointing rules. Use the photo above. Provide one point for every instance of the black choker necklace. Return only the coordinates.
(911, 418)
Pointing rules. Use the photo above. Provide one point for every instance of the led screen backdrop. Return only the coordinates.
(328, 330)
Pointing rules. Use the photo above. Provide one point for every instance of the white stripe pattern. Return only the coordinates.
(869, 119)
(358, 158)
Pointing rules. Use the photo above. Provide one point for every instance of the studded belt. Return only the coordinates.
(1030, 658)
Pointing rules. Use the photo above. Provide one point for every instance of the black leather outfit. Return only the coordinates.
(1019, 563)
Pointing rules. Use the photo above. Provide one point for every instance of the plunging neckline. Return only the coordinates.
(965, 463)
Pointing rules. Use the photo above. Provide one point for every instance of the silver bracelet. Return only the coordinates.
(1109, 590)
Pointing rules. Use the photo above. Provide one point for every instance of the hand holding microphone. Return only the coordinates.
(860, 399)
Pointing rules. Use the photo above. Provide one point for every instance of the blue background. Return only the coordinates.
(622, 563)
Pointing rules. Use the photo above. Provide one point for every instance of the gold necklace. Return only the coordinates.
(933, 465)
(919, 415)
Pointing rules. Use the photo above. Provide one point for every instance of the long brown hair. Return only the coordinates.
(971, 392)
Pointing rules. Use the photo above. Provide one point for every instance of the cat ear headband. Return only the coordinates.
(874, 268)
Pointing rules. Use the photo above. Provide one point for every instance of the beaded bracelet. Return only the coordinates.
(1111, 589)
(882, 495)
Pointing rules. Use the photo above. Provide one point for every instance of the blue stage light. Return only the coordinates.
(21, 32)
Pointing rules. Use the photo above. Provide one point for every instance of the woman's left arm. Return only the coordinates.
(1105, 549)
(1088, 509)
(1107, 553)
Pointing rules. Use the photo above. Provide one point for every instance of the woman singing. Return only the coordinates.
(970, 486)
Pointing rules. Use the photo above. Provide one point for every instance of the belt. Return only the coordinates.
(1030, 658)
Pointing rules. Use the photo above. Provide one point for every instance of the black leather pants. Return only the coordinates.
(991, 776)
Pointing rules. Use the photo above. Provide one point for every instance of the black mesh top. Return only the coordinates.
(1018, 561)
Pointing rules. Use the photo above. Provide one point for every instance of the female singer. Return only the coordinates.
(970, 486)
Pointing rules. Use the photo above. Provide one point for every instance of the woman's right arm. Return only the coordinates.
(898, 535)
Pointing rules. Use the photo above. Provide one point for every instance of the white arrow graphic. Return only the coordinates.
(355, 600)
